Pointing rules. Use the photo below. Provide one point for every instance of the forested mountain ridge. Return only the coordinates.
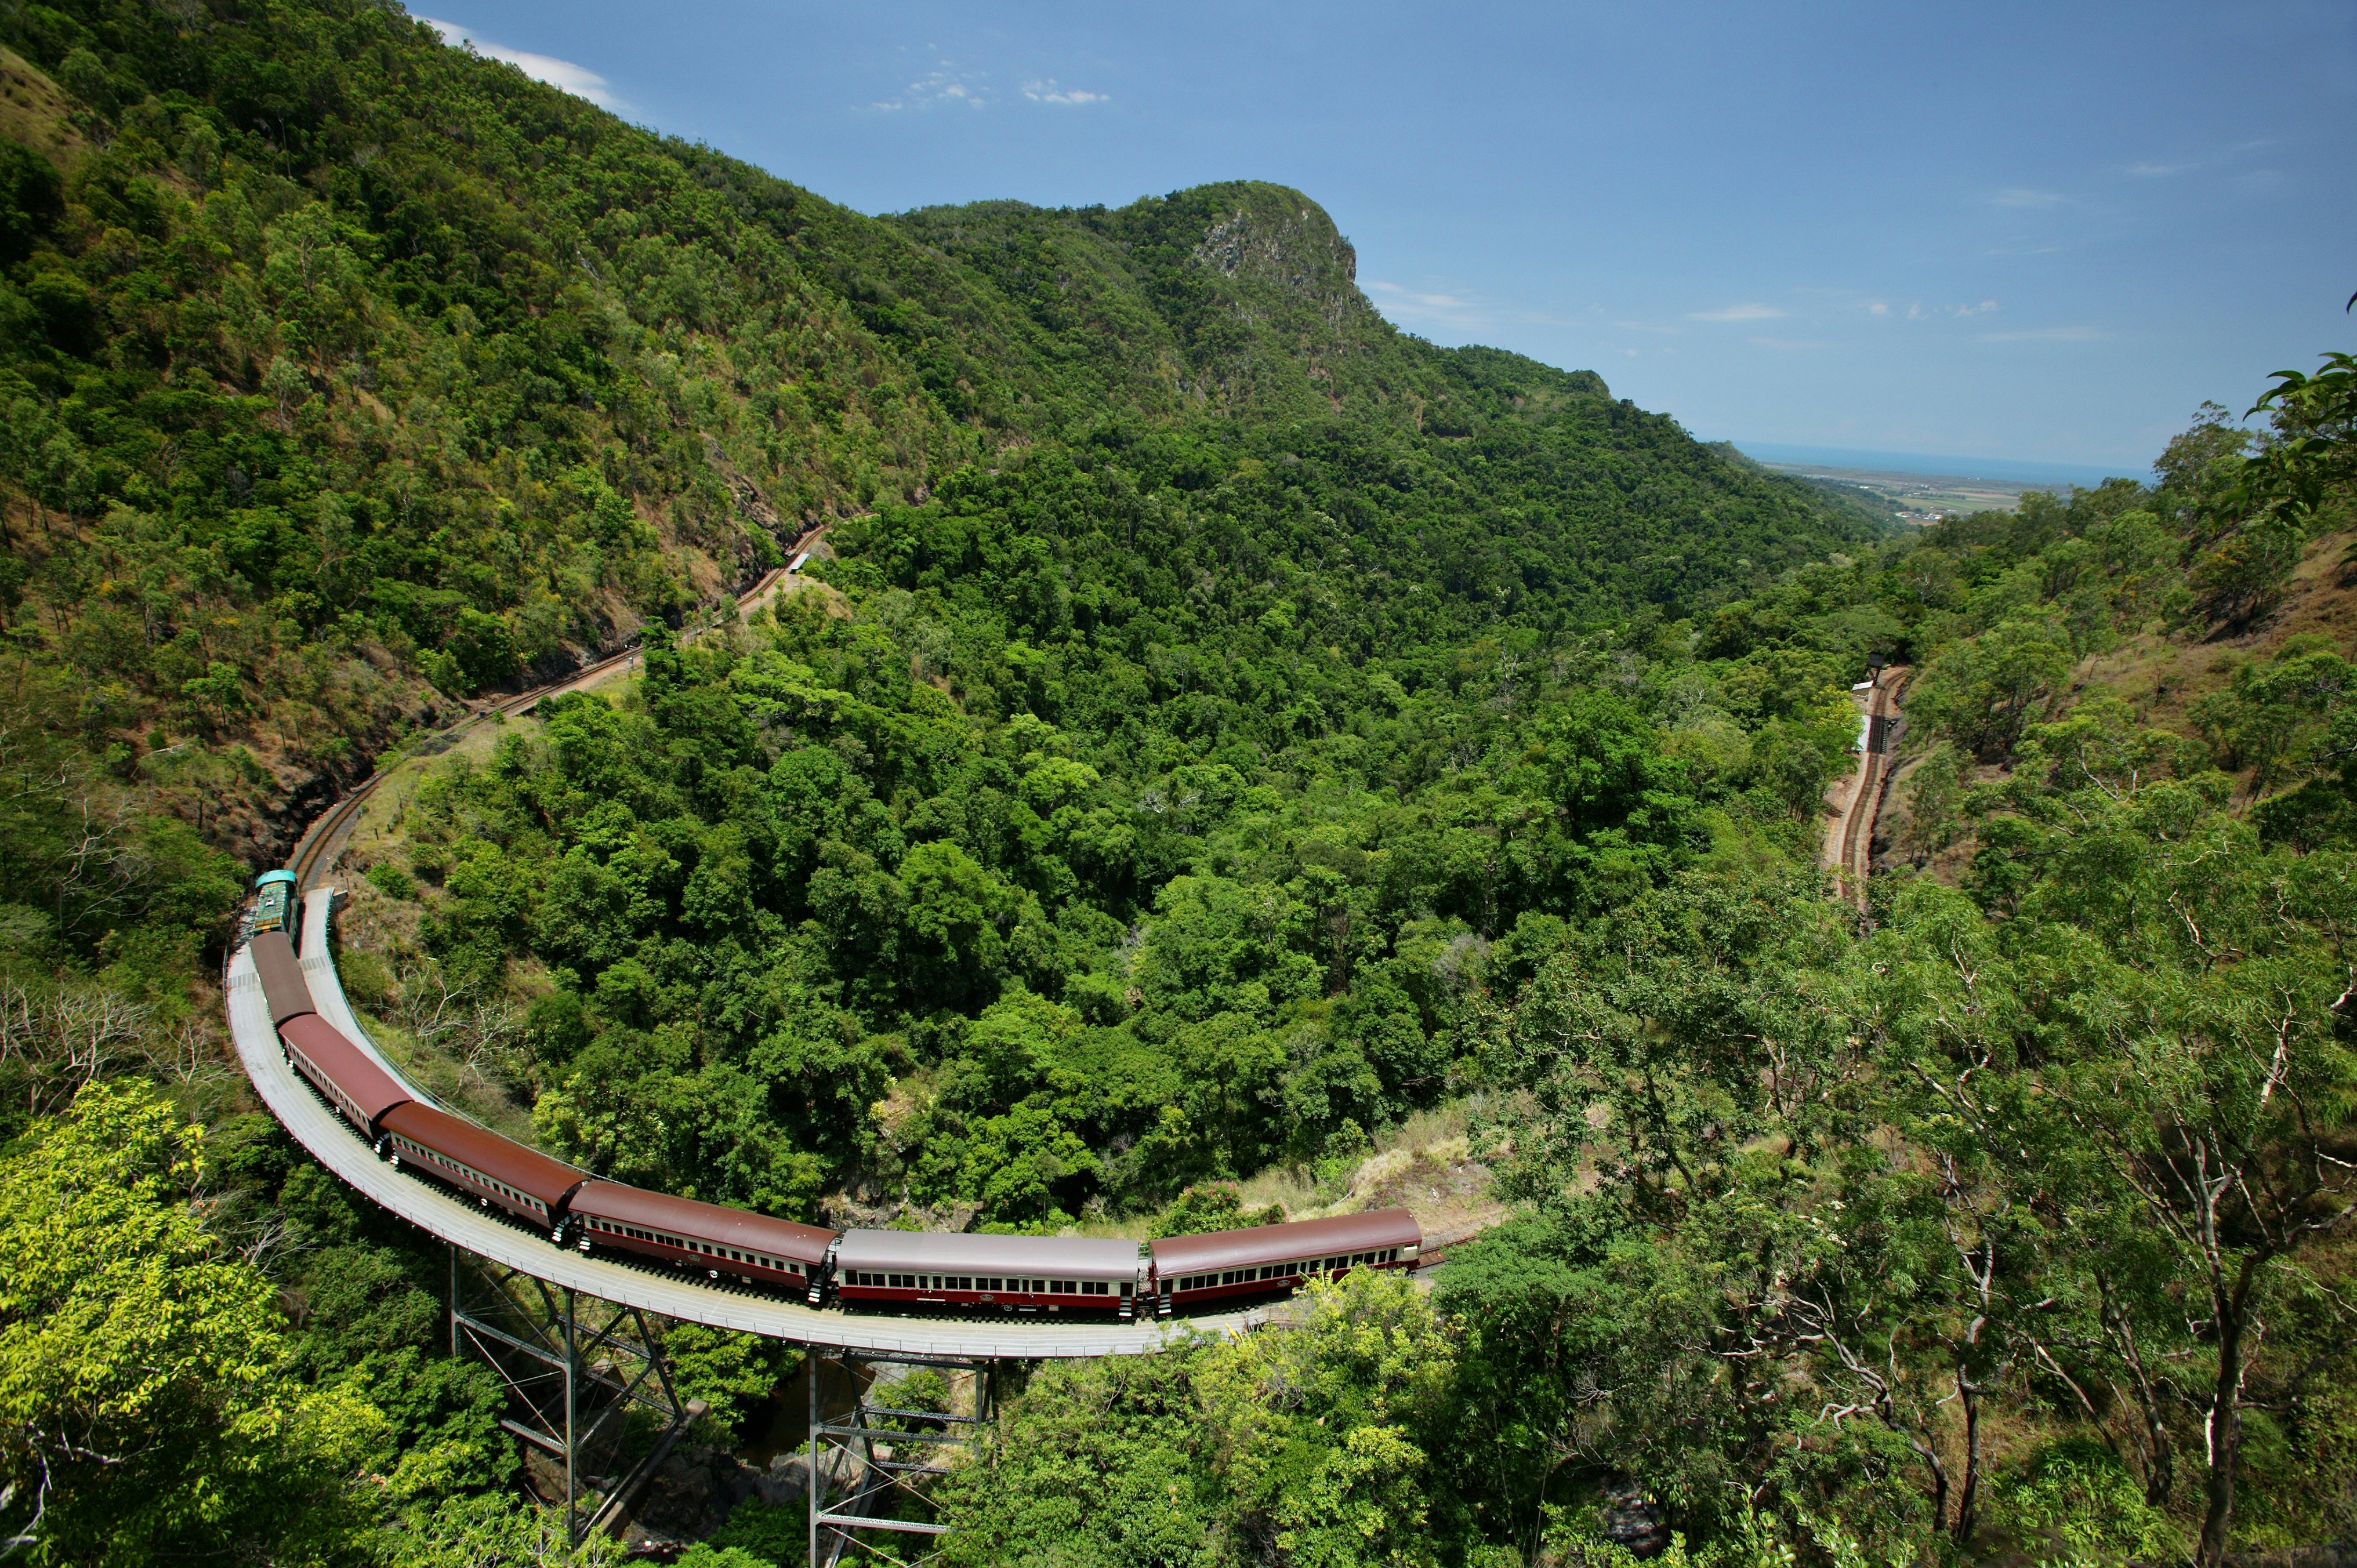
(1229, 735)
(338, 357)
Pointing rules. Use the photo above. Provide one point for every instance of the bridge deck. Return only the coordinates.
(431, 1208)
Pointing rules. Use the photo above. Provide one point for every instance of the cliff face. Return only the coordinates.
(1239, 298)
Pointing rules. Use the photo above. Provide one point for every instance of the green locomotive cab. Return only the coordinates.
(277, 902)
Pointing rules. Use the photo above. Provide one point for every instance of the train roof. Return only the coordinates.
(372, 1089)
(502, 1159)
(706, 1221)
(268, 877)
(1063, 1257)
(281, 975)
(1300, 1239)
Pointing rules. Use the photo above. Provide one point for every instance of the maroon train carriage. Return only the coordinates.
(281, 975)
(751, 1246)
(1014, 1274)
(353, 1084)
(1190, 1268)
(522, 1181)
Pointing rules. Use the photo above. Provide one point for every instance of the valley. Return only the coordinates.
(998, 721)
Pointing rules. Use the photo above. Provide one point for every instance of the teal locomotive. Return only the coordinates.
(277, 902)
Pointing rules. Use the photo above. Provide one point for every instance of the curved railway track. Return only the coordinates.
(444, 1215)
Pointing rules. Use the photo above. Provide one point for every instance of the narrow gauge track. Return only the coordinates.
(1852, 835)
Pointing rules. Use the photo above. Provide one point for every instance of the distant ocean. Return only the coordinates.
(2004, 470)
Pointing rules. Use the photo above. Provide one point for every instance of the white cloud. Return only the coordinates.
(1045, 92)
(2153, 169)
(1431, 307)
(944, 86)
(2017, 195)
(1878, 308)
(2044, 334)
(1736, 313)
(562, 74)
(1408, 296)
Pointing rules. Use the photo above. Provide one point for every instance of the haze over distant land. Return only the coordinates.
(2086, 476)
(2011, 231)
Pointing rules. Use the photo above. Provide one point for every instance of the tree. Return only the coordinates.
(149, 1408)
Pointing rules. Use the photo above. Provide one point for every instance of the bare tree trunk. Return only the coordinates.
(1968, 1494)
(2226, 1423)
(2160, 1454)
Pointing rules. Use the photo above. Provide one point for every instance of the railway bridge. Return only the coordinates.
(568, 1331)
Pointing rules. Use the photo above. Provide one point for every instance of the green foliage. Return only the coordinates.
(1199, 1210)
(152, 1408)
(470, 1531)
(1308, 1445)
(2076, 1504)
(1225, 727)
(777, 1534)
(731, 1373)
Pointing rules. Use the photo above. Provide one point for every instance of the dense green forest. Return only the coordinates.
(1226, 731)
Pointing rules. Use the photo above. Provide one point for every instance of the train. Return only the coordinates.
(851, 1269)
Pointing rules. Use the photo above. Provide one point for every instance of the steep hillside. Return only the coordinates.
(342, 365)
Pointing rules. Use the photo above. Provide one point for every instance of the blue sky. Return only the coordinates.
(2033, 231)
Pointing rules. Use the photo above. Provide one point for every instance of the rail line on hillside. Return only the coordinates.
(1851, 840)
(324, 840)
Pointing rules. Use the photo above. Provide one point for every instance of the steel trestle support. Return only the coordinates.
(578, 1370)
(868, 1471)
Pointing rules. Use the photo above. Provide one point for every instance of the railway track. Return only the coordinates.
(316, 853)
(1852, 839)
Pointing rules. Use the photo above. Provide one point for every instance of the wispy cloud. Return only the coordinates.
(943, 87)
(2023, 196)
(1430, 306)
(1918, 311)
(562, 74)
(2044, 334)
(1045, 92)
(2155, 170)
(1738, 313)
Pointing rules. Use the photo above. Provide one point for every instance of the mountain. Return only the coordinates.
(340, 362)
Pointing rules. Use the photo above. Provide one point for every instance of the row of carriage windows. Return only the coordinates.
(723, 1254)
(886, 1280)
(996, 1284)
(470, 1174)
(1287, 1271)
